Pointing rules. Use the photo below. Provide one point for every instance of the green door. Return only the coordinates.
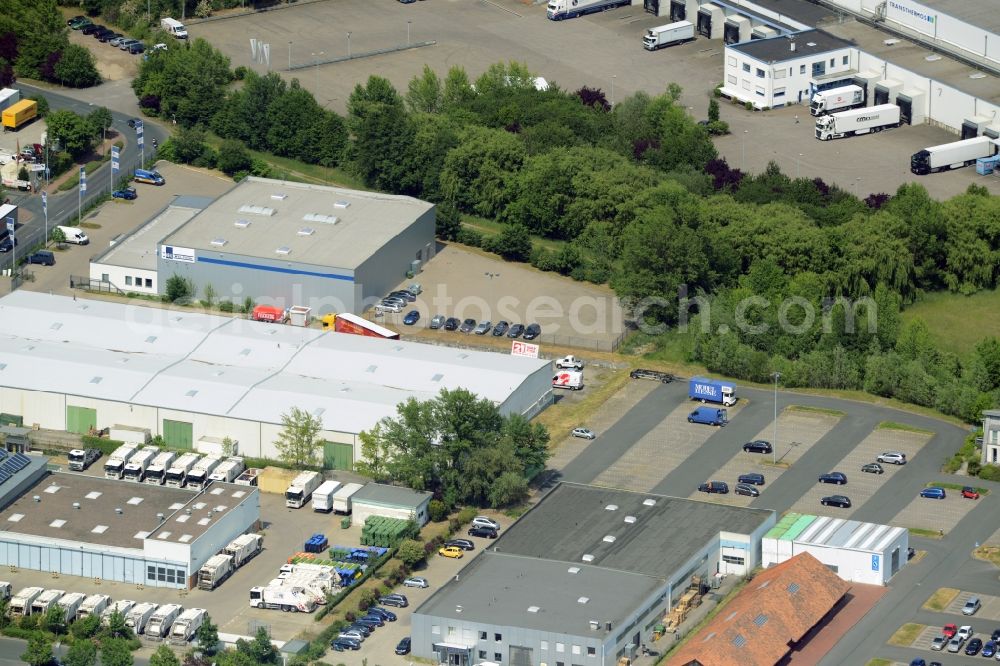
(80, 419)
(177, 434)
(11, 420)
(338, 456)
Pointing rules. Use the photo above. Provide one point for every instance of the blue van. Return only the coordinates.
(151, 177)
(709, 416)
(933, 493)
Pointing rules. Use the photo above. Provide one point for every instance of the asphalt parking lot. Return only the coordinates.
(934, 514)
(990, 609)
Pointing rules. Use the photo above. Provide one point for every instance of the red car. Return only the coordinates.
(970, 492)
(949, 630)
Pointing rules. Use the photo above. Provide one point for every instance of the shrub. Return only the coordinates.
(989, 473)
(973, 467)
(226, 306)
(469, 237)
(718, 127)
(438, 511)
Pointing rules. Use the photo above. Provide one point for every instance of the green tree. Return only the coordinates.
(116, 627)
(100, 120)
(381, 133)
(38, 651)
(81, 653)
(86, 627)
(447, 221)
(260, 648)
(513, 243)
(164, 656)
(233, 157)
(478, 172)
(72, 131)
(713, 110)
(458, 91)
(210, 295)
(187, 84)
(207, 637)
(188, 144)
(76, 67)
(116, 652)
(179, 289)
(297, 444)
(411, 553)
(425, 93)
(54, 620)
(986, 364)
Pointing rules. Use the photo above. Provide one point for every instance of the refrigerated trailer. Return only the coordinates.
(197, 478)
(301, 489)
(135, 468)
(857, 121)
(114, 468)
(156, 473)
(228, 470)
(342, 498)
(668, 35)
(837, 99)
(952, 155)
(178, 471)
(558, 10)
(322, 499)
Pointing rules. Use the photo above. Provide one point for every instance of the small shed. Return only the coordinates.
(377, 499)
(15, 439)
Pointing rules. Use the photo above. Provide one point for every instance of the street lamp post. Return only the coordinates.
(408, 32)
(316, 57)
(613, 77)
(774, 448)
(348, 44)
(743, 150)
(289, 56)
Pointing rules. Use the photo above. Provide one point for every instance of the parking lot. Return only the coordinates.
(935, 514)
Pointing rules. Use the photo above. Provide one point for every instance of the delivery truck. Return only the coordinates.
(17, 115)
(342, 498)
(20, 603)
(174, 27)
(160, 622)
(156, 473)
(178, 471)
(709, 416)
(558, 10)
(135, 468)
(122, 607)
(287, 599)
(668, 35)
(186, 624)
(197, 478)
(81, 459)
(568, 379)
(95, 604)
(244, 548)
(857, 121)
(228, 470)
(114, 468)
(301, 489)
(836, 99)
(953, 155)
(215, 571)
(322, 499)
(712, 390)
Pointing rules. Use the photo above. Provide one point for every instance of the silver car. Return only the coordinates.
(437, 321)
(955, 644)
(388, 307)
(894, 457)
(484, 328)
(584, 433)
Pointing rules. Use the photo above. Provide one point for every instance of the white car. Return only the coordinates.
(583, 433)
(964, 632)
(416, 581)
(352, 634)
(388, 307)
(483, 521)
(894, 457)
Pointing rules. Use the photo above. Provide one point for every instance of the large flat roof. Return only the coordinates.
(779, 49)
(317, 225)
(138, 249)
(980, 13)
(574, 521)
(380, 493)
(234, 367)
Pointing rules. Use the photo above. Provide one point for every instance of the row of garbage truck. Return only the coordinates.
(150, 464)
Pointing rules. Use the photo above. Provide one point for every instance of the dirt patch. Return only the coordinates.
(989, 554)
(940, 599)
(113, 64)
(906, 634)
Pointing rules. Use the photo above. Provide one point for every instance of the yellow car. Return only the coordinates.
(451, 551)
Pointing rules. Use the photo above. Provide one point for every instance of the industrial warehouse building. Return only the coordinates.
(73, 365)
(856, 552)
(376, 499)
(583, 577)
(120, 531)
(278, 243)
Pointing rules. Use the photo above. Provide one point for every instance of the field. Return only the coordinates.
(957, 322)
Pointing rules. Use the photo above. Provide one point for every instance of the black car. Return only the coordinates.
(758, 446)
(833, 477)
(409, 297)
(136, 48)
(452, 324)
(91, 29)
(480, 531)
(974, 646)
(532, 332)
(6, 245)
(872, 468)
(464, 544)
(341, 644)
(43, 257)
(642, 373)
(100, 32)
(362, 629)
(386, 615)
(995, 636)
(515, 331)
(753, 478)
(842, 501)
(395, 600)
(76, 19)
(500, 328)
(720, 487)
(371, 619)
(467, 325)
(403, 647)
(747, 490)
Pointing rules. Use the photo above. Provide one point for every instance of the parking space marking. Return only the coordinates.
(924, 639)
(797, 432)
(990, 609)
(934, 514)
(660, 451)
(862, 485)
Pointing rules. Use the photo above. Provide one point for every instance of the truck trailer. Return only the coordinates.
(95, 604)
(244, 548)
(16, 115)
(709, 416)
(228, 470)
(20, 603)
(197, 478)
(322, 499)
(857, 121)
(135, 468)
(137, 618)
(160, 622)
(712, 390)
(558, 10)
(156, 473)
(342, 498)
(178, 471)
(302, 489)
(215, 571)
(288, 599)
(81, 459)
(114, 468)
(186, 624)
(953, 155)
(836, 99)
(668, 35)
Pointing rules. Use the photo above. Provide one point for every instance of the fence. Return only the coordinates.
(93, 284)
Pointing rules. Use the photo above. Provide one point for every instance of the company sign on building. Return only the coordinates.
(912, 15)
(172, 253)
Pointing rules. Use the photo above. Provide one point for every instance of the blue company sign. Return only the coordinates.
(912, 12)
(875, 562)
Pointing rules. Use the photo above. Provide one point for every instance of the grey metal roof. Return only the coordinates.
(847, 534)
(138, 249)
(643, 532)
(345, 227)
(498, 588)
(779, 49)
(384, 495)
(980, 13)
(802, 11)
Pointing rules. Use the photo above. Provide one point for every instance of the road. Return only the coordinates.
(11, 650)
(63, 206)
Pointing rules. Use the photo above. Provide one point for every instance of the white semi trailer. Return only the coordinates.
(668, 35)
(558, 10)
(857, 121)
(114, 468)
(156, 473)
(836, 99)
(953, 155)
(177, 473)
(135, 468)
(197, 478)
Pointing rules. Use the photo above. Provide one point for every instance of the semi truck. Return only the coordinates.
(138, 616)
(95, 604)
(156, 473)
(836, 99)
(345, 322)
(81, 459)
(215, 571)
(953, 155)
(228, 470)
(114, 468)
(122, 606)
(857, 121)
(558, 10)
(668, 35)
(160, 622)
(302, 489)
(248, 477)
(322, 499)
(197, 478)
(244, 548)
(178, 471)
(135, 468)
(17, 115)
(70, 604)
(709, 416)
(46, 600)
(342, 498)
(712, 390)
(288, 599)
(568, 379)
(186, 624)
(20, 603)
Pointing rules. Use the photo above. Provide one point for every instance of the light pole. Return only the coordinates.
(289, 56)
(316, 68)
(613, 77)
(408, 32)
(743, 150)
(798, 162)
(348, 44)
(774, 448)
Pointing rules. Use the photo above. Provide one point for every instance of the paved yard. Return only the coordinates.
(924, 638)
(933, 514)
(990, 609)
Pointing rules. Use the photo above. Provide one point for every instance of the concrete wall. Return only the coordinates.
(387, 267)
(121, 277)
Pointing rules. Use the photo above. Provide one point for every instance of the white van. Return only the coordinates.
(74, 235)
(174, 27)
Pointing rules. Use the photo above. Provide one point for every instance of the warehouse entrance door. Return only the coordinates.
(338, 456)
(652, 6)
(178, 434)
(80, 420)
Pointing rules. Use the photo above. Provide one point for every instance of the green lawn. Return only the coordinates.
(957, 322)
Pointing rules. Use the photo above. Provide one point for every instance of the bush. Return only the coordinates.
(718, 128)
(973, 467)
(469, 237)
(226, 306)
(410, 552)
(438, 511)
(461, 519)
(989, 472)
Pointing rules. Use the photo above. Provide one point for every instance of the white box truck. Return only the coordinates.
(178, 471)
(836, 99)
(301, 489)
(174, 27)
(160, 622)
(81, 459)
(323, 496)
(558, 10)
(114, 468)
(857, 121)
(342, 498)
(46, 600)
(95, 604)
(568, 379)
(20, 603)
(135, 468)
(228, 470)
(70, 604)
(197, 478)
(186, 624)
(122, 606)
(138, 616)
(156, 473)
(244, 548)
(215, 571)
(74, 235)
(953, 155)
(668, 35)
(282, 598)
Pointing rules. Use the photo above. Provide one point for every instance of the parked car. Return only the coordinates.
(461, 544)
(352, 634)
(933, 493)
(123, 45)
(395, 600)
(965, 632)
(76, 19)
(894, 457)
(532, 332)
(713, 487)
(8, 243)
(389, 307)
(372, 619)
(939, 642)
(79, 22)
(397, 300)
(872, 468)
(437, 321)
(483, 328)
(483, 532)
(136, 48)
(452, 324)
(408, 296)
(972, 604)
(483, 521)
(970, 493)
(43, 257)
(918, 661)
(753, 478)
(416, 581)
(758, 446)
(403, 647)
(106, 36)
(949, 630)
(974, 646)
(515, 331)
(127, 193)
(360, 628)
(842, 501)
(411, 318)
(995, 636)
(990, 649)
(340, 644)
(747, 490)
(955, 644)
(833, 477)
(115, 41)
(500, 328)
(467, 326)
(583, 433)
(90, 28)
(451, 551)
(656, 375)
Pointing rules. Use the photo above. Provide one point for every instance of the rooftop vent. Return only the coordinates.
(161, 517)
(36, 498)
(810, 44)
(588, 558)
(242, 224)
(340, 203)
(595, 625)
(219, 242)
(574, 570)
(192, 393)
(99, 529)
(283, 250)
(629, 519)
(306, 231)
(279, 196)
(321, 218)
(611, 507)
(533, 609)
(649, 502)
(609, 539)
(151, 339)
(583, 600)
(458, 609)
(118, 510)
(257, 210)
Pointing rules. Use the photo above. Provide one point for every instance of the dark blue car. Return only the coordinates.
(411, 318)
(753, 478)
(833, 477)
(128, 193)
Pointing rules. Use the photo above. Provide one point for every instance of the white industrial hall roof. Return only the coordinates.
(233, 367)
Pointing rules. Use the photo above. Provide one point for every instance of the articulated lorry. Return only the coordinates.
(20, 603)
(81, 459)
(177, 473)
(114, 468)
(228, 470)
(137, 619)
(342, 498)
(95, 604)
(322, 499)
(123, 607)
(215, 571)
(857, 121)
(160, 622)
(558, 10)
(709, 416)
(244, 548)
(135, 468)
(156, 473)
(302, 489)
(668, 35)
(953, 155)
(287, 599)
(836, 99)
(712, 390)
(186, 624)
(197, 478)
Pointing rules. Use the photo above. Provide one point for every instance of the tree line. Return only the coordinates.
(34, 43)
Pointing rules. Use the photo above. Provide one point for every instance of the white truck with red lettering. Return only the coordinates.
(568, 379)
